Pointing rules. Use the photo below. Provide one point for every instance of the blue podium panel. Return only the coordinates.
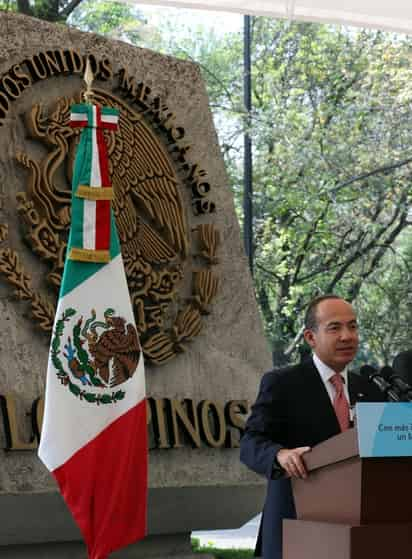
(384, 429)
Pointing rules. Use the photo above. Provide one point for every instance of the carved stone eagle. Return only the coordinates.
(149, 206)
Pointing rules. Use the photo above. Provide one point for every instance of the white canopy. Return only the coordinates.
(393, 15)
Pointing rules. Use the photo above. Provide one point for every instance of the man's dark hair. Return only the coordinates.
(311, 319)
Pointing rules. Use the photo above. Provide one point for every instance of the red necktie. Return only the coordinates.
(340, 402)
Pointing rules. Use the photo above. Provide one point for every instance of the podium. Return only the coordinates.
(350, 507)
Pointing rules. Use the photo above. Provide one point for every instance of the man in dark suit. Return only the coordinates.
(300, 406)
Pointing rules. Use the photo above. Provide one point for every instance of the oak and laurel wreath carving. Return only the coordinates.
(155, 244)
(64, 377)
(41, 309)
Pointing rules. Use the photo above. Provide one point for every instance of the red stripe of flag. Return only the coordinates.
(102, 206)
(110, 125)
(105, 484)
(80, 123)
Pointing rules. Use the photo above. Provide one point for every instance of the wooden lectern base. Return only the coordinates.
(304, 539)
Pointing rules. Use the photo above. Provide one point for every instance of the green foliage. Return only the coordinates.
(331, 131)
(385, 306)
(8, 6)
(221, 553)
(329, 203)
(115, 19)
(51, 10)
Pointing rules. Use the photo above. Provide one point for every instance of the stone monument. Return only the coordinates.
(188, 279)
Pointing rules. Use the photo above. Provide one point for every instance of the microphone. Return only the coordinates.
(373, 376)
(397, 382)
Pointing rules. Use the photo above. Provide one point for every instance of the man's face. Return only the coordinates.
(335, 340)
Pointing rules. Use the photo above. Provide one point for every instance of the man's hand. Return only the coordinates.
(291, 461)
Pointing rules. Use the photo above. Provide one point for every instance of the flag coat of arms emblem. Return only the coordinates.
(94, 434)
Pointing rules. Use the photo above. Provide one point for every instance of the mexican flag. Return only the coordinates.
(94, 434)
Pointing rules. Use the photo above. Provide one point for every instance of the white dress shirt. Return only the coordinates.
(326, 373)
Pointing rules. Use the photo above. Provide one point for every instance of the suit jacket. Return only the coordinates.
(292, 409)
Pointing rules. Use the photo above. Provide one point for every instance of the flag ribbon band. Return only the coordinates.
(95, 192)
(86, 255)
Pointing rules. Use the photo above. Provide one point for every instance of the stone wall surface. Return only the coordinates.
(224, 362)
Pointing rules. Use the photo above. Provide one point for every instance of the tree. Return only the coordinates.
(385, 305)
(332, 161)
(117, 20)
(50, 10)
(332, 132)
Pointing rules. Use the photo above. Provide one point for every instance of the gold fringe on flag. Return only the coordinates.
(88, 255)
(95, 192)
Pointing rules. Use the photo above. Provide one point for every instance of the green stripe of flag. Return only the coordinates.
(76, 272)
